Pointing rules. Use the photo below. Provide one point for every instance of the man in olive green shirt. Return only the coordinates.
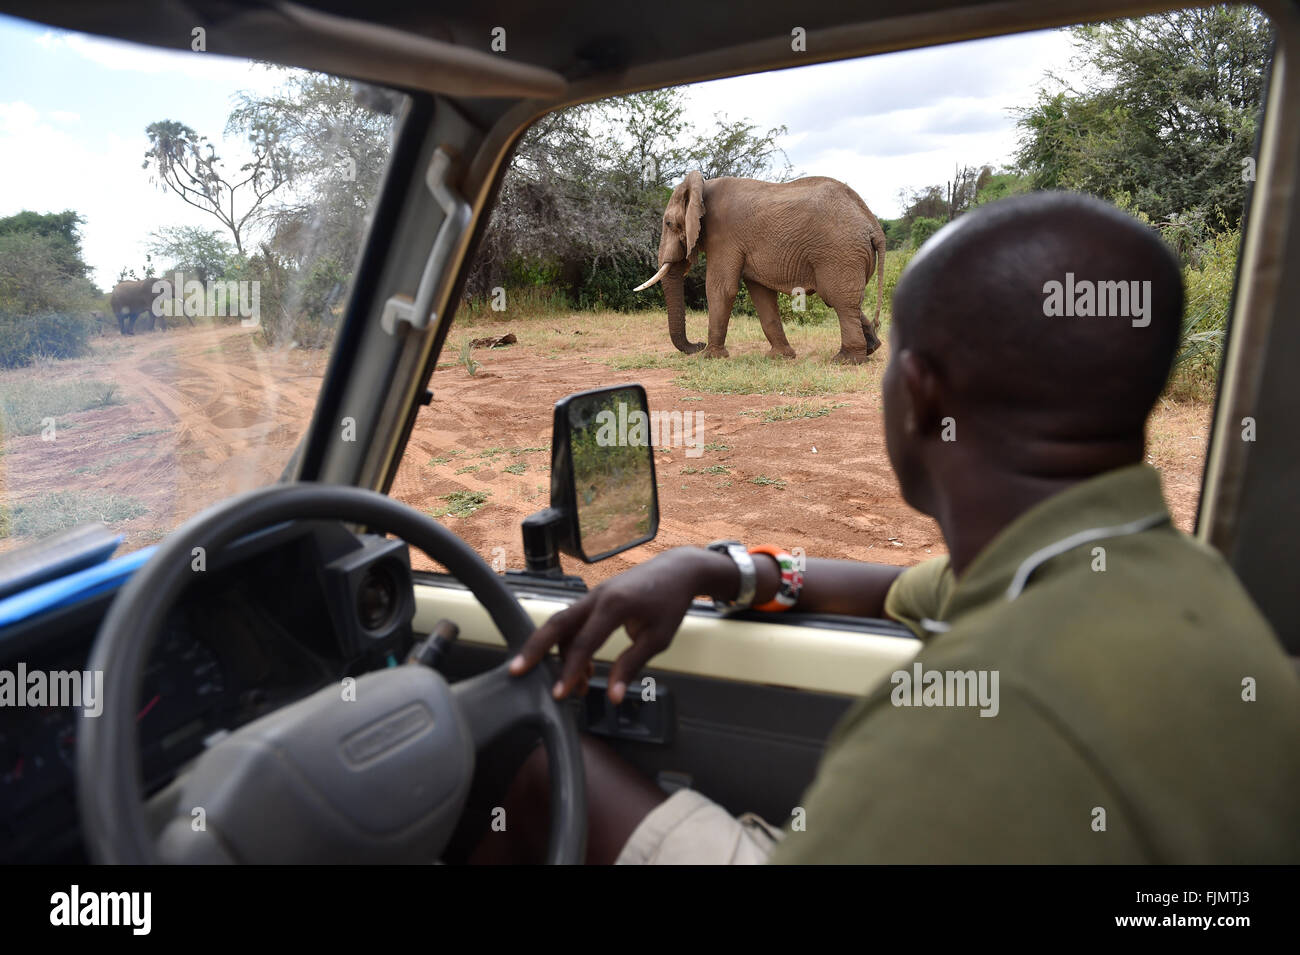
(1094, 686)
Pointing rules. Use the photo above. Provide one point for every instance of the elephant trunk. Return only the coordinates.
(677, 310)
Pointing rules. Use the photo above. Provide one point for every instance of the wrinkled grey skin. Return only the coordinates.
(130, 300)
(814, 233)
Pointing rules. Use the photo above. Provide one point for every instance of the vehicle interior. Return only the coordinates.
(229, 642)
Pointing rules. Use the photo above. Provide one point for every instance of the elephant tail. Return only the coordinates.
(878, 246)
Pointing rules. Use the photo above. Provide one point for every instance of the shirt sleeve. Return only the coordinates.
(919, 592)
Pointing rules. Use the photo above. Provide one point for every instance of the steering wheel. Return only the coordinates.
(381, 776)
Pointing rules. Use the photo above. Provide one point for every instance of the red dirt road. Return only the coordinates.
(207, 413)
(840, 497)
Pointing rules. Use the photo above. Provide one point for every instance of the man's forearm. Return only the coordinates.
(829, 586)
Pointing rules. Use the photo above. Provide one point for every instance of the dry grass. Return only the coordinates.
(639, 340)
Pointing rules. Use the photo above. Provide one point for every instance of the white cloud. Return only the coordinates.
(896, 121)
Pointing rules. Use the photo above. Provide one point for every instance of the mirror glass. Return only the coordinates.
(609, 444)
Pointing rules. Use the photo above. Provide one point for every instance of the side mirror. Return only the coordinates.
(603, 493)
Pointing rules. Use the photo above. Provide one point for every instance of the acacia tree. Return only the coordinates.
(340, 143)
(1166, 115)
(187, 163)
(200, 252)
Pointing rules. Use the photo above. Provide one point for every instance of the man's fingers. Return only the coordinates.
(577, 655)
(629, 664)
(581, 689)
(558, 630)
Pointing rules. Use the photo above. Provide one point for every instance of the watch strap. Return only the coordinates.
(748, 574)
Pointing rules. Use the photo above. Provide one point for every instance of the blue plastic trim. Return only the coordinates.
(72, 588)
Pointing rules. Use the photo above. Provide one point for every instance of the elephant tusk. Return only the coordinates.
(655, 278)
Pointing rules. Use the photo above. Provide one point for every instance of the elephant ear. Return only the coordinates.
(694, 208)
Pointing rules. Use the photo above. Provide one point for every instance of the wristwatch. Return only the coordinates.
(748, 575)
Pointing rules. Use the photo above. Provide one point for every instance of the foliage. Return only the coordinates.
(922, 229)
(1209, 285)
(199, 253)
(25, 338)
(186, 163)
(319, 145)
(461, 503)
(60, 229)
(339, 135)
(1167, 116)
(582, 203)
(45, 298)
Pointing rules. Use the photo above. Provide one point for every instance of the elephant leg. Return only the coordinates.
(853, 336)
(769, 316)
(721, 285)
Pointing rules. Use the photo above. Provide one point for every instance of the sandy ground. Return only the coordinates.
(840, 497)
(207, 413)
(204, 414)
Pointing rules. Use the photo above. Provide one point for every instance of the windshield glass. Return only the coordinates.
(734, 247)
(178, 235)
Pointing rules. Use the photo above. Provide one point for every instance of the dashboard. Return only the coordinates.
(279, 615)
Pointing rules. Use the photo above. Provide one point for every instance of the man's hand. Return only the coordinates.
(648, 601)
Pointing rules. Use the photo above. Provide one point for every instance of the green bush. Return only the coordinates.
(23, 339)
(1208, 282)
(815, 311)
(922, 229)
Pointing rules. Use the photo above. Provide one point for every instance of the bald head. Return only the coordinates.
(1053, 314)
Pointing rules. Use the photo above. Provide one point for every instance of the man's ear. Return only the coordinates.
(921, 384)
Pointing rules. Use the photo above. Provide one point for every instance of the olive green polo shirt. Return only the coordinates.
(1137, 707)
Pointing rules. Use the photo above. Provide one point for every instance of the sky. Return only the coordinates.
(73, 110)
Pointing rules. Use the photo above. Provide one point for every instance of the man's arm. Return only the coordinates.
(649, 601)
(849, 587)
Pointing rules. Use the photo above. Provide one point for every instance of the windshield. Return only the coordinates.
(734, 247)
(178, 235)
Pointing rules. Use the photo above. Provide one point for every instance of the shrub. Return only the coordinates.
(922, 229)
(23, 339)
(1208, 283)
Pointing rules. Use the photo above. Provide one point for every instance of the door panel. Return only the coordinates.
(753, 701)
(815, 657)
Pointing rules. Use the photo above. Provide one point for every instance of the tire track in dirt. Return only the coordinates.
(205, 414)
(839, 500)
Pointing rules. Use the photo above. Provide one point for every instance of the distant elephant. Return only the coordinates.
(97, 320)
(815, 234)
(130, 300)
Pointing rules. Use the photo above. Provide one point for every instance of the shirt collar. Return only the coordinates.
(1124, 501)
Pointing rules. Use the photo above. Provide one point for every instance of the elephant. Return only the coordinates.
(814, 234)
(130, 300)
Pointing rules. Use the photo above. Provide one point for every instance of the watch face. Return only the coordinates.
(723, 544)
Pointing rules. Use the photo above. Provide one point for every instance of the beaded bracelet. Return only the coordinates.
(787, 595)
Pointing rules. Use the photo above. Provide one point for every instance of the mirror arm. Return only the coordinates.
(542, 538)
